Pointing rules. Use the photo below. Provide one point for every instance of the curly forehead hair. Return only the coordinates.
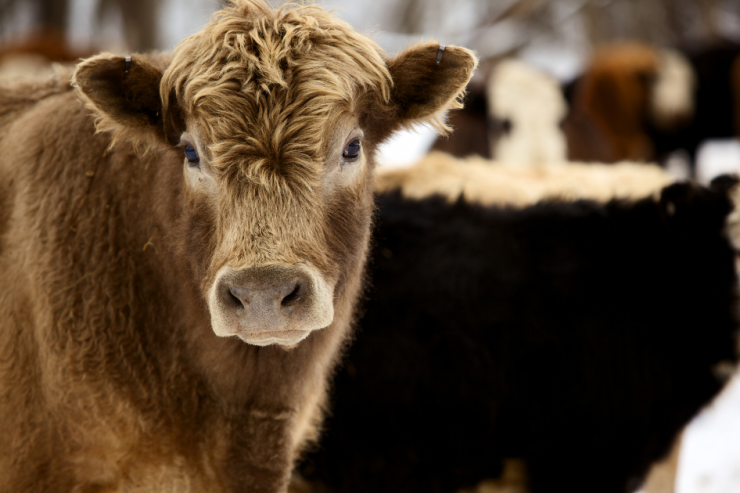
(257, 78)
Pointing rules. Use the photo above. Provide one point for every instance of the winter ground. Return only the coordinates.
(710, 455)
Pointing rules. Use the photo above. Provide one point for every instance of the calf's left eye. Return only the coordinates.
(352, 151)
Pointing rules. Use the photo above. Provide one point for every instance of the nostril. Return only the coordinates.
(235, 300)
(292, 296)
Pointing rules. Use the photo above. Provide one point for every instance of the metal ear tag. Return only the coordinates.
(128, 65)
(440, 52)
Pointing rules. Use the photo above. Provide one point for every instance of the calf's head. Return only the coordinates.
(276, 114)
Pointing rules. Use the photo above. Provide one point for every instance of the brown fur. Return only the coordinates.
(470, 124)
(613, 96)
(662, 475)
(111, 378)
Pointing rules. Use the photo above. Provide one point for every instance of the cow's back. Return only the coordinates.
(576, 335)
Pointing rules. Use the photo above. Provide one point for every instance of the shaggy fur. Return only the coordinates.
(470, 133)
(111, 378)
(562, 333)
(476, 180)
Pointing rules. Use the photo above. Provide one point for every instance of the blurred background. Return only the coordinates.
(555, 37)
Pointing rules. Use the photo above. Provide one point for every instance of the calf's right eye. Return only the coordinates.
(192, 155)
(352, 151)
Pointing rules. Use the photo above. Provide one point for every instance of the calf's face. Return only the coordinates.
(276, 115)
(280, 257)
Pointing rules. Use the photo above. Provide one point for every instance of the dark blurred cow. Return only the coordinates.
(576, 335)
(637, 102)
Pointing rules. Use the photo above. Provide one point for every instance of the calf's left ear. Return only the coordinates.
(124, 92)
(428, 79)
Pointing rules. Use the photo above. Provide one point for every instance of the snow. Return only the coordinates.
(710, 455)
(717, 157)
(406, 147)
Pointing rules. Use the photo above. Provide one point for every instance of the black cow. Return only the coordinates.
(577, 336)
(716, 98)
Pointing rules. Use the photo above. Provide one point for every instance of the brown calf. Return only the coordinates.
(177, 286)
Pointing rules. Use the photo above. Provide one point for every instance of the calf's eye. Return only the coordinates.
(192, 155)
(352, 151)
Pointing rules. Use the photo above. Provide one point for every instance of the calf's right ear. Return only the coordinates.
(124, 93)
(428, 79)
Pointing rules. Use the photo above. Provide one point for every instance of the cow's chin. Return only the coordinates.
(278, 337)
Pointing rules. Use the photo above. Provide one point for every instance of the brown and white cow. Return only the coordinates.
(627, 91)
(639, 102)
(512, 114)
(177, 286)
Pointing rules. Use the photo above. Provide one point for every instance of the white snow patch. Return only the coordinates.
(406, 147)
(181, 18)
(717, 157)
(710, 453)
